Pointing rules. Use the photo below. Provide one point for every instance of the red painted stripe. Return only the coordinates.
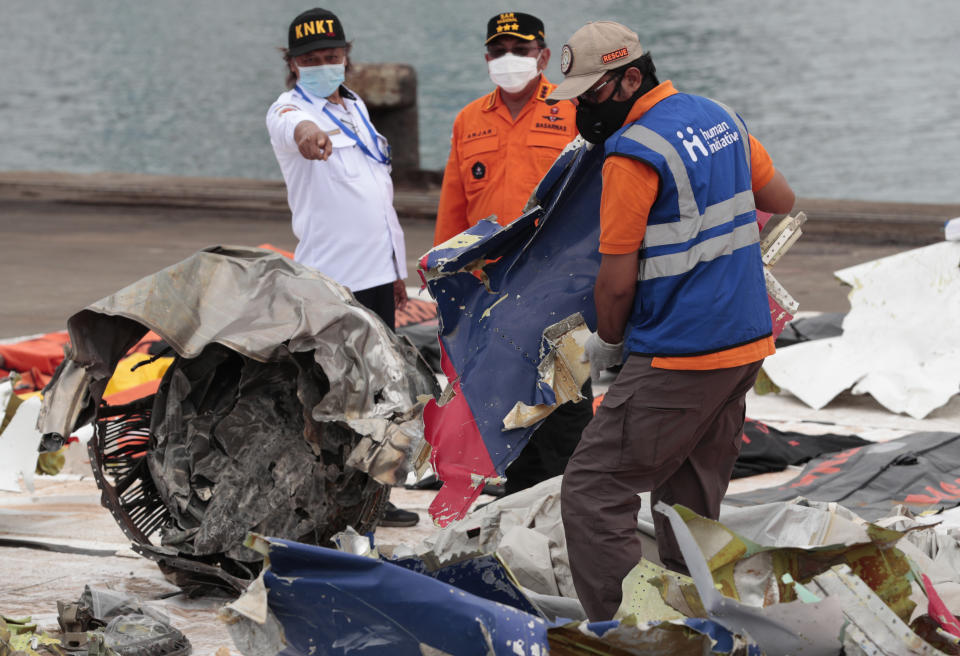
(458, 451)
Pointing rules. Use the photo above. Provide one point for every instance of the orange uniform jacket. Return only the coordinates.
(495, 161)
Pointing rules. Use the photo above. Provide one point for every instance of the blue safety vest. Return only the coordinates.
(700, 287)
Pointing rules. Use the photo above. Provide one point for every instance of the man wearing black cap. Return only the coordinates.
(337, 170)
(502, 145)
(680, 291)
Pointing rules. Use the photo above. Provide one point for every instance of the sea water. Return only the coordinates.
(856, 99)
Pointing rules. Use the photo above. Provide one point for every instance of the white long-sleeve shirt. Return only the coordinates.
(342, 207)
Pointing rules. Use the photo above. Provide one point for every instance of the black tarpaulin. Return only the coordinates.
(766, 449)
(919, 471)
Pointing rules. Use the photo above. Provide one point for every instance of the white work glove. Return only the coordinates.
(600, 355)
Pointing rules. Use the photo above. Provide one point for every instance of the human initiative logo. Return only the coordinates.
(694, 143)
(717, 138)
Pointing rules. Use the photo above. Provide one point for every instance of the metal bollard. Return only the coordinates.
(390, 93)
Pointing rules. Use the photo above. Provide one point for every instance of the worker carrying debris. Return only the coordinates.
(680, 290)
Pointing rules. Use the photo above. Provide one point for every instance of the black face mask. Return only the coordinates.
(597, 121)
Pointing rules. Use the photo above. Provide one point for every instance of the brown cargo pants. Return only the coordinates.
(673, 433)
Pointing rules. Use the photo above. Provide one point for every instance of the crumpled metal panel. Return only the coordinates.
(263, 306)
(780, 629)
(499, 291)
(64, 401)
(870, 627)
(331, 602)
(525, 529)
(483, 575)
(283, 392)
(231, 452)
(753, 590)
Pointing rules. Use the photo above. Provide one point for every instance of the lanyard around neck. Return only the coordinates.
(381, 157)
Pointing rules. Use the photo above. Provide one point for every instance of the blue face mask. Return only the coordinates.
(321, 81)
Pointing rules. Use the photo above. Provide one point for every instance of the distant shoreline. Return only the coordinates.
(417, 195)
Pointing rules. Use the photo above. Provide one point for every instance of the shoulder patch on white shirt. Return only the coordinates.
(283, 109)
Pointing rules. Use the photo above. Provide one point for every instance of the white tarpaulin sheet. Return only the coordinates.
(901, 338)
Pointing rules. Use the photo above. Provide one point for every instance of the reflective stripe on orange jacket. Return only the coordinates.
(495, 161)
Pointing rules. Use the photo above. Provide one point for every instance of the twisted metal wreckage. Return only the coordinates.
(288, 410)
(328, 391)
(498, 582)
(500, 575)
(489, 585)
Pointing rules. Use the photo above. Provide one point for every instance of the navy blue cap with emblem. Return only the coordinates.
(515, 23)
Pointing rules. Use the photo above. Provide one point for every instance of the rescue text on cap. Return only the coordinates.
(591, 51)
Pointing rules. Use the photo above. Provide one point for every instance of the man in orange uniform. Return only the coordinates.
(502, 145)
(680, 290)
(505, 141)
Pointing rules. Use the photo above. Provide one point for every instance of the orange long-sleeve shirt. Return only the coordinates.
(496, 161)
(630, 188)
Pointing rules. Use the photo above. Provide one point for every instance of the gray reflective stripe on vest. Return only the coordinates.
(687, 204)
(706, 251)
(691, 222)
(741, 128)
(677, 232)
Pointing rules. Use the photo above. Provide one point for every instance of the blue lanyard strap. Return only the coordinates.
(379, 157)
(302, 94)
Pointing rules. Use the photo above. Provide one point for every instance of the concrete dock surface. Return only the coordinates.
(71, 239)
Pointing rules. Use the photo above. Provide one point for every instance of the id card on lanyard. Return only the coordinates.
(381, 157)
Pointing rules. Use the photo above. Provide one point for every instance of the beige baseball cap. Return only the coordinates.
(594, 49)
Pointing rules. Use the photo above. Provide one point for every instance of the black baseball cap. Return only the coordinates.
(315, 29)
(515, 23)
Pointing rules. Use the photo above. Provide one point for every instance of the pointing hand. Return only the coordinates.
(312, 142)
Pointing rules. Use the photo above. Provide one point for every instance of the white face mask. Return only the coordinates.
(511, 72)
